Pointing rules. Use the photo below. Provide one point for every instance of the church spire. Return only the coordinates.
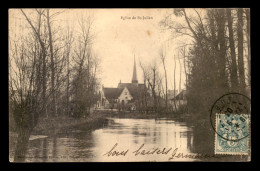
(134, 78)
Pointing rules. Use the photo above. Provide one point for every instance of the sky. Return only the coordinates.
(119, 36)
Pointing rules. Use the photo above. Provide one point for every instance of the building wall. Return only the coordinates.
(102, 105)
(171, 93)
(125, 95)
(107, 104)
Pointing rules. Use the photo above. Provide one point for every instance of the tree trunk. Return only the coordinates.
(234, 77)
(180, 78)
(240, 45)
(214, 44)
(44, 86)
(154, 93)
(21, 146)
(222, 49)
(174, 89)
(248, 44)
(185, 70)
(166, 86)
(54, 107)
(68, 85)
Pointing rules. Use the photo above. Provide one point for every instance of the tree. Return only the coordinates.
(54, 105)
(234, 76)
(180, 76)
(151, 75)
(85, 83)
(163, 59)
(38, 57)
(247, 11)
(37, 31)
(174, 83)
(68, 46)
(144, 94)
(240, 49)
(212, 57)
(27, 81)
(221, 57)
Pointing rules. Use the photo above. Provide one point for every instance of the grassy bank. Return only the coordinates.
(51, 126)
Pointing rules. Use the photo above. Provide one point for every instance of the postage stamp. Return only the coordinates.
(232, 134)
(230, 119)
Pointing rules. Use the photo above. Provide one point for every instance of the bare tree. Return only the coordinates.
(184, 65)
(68, 46)
(26, 84)
(146, 84)
(43, 54)
(174, 83)
(151, 79)
(86, 63)
(30, 87)
(163, 59)
(180, 77)
(54, 105)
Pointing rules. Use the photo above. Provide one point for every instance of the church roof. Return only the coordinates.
(112, 93)
(134, 89)
(130, 85)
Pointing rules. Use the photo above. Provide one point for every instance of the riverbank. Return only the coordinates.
(52, 126)
(48, 127)
(150, 115)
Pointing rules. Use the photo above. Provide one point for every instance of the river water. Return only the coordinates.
(124, 134)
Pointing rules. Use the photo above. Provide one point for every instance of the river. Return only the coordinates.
(129, 135)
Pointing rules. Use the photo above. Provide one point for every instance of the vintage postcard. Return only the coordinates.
(129, 85)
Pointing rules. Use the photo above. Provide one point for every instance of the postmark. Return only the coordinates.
(230, 119)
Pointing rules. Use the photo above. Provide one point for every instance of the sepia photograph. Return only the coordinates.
(129, 85)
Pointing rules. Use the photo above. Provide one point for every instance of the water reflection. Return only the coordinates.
(203, 140)
(82, 145)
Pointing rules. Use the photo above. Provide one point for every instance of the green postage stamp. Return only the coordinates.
(232, 134)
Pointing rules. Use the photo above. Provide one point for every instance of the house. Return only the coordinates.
(172, 93)
(180, 99)
(123, 94)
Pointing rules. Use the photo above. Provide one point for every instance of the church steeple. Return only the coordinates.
(134, 78)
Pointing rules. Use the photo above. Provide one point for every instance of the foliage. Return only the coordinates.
(214, 61)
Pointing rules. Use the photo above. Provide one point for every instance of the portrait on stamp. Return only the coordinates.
(129, 85)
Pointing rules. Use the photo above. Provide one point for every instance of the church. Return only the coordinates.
(123, 94)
